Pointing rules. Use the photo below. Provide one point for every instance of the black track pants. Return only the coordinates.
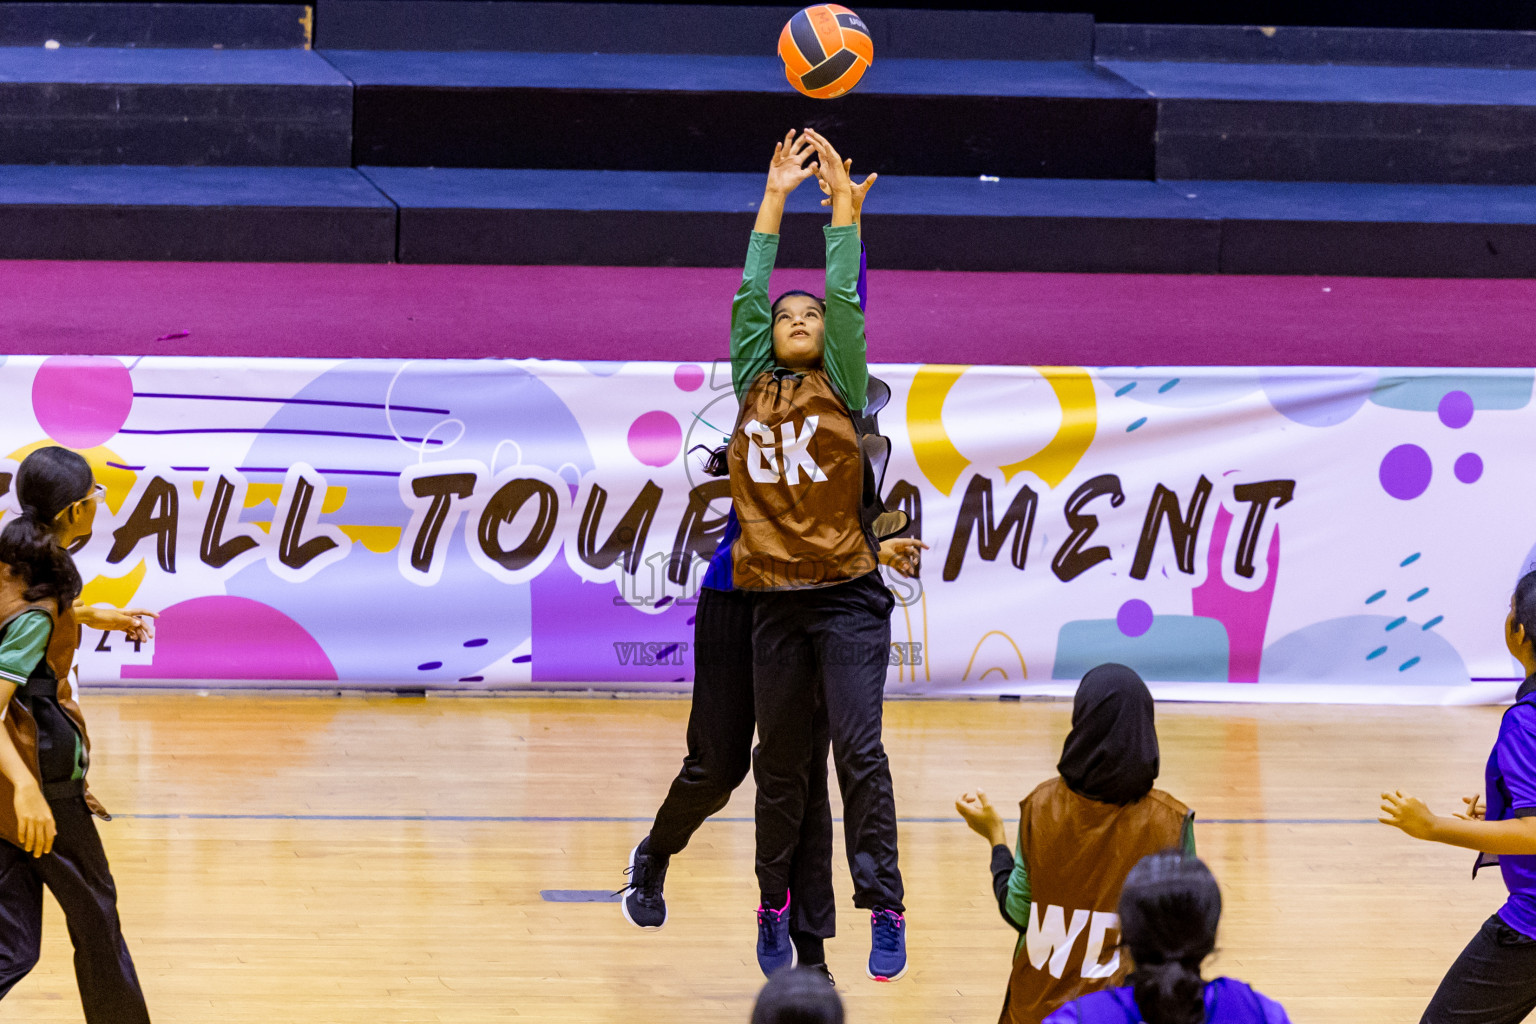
(828, 645)
(720, 726)
(1493, 981)
(77, 874)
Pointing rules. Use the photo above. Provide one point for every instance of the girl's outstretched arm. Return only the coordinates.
(751, 327)
(1512, 836)
(844, 355)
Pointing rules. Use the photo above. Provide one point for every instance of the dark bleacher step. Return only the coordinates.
(553, 27)
(319, 214)
(1378, 230)
(227, 26)
(142, 106)
(695, 219)
(1051, 119)
(917, 223)
(1341, 123)
(1427, 47)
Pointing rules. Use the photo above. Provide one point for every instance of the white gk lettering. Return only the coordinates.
(766, 454)
(1051, 937)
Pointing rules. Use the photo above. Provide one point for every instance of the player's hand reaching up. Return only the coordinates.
(860, 189)
(788, 168)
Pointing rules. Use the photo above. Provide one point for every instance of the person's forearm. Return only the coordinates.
(842, 207)
(12, 766)
(770, 212)
(845, 352)
(1512, 837)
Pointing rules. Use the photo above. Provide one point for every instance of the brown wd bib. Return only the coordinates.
(1078, 852)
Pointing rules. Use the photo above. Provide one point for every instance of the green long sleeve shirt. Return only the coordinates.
(844, 355)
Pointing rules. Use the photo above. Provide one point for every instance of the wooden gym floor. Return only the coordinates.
(337, 860)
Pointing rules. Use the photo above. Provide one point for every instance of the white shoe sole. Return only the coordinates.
(624, 903)
(896, 977)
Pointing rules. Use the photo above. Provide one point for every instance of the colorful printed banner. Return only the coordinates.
(1246, 534)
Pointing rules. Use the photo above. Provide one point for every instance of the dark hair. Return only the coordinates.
(1169, 908)
(1525, 604)
(798, 996)
(48, 482)
(773, 310)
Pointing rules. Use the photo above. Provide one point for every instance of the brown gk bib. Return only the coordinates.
(1078, 852)
(797, 481)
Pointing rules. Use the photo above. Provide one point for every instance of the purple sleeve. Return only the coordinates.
(1066, 1015)
(1517, 759)
(863, 285)
(1274, 1013)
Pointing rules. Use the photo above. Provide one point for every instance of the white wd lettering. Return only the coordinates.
(1098, 933)
(1050, 937)
(759, 465)
(795, 454)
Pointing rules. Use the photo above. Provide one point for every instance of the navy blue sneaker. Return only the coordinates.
(887, 945)
(775, 951)
(643, 904)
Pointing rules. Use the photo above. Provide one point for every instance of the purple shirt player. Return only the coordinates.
(1227, 1001)
(1510, 778)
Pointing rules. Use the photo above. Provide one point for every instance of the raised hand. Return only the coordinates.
(860, 188)
(1475, 808)
(829, 163)
(788, 168)
(982, 817)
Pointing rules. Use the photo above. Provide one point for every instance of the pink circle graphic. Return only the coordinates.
(688, 377)
(1134, 617)
(81, 401)
(655, 438)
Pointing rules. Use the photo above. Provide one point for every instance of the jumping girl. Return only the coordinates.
(821, 629)
(721, 721)
(1169, 910)
(1493, 981)
(1079, 835)
(45, 808)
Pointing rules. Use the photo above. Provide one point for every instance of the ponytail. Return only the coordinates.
(1171, 992)
(1169, 908)
(48, 482)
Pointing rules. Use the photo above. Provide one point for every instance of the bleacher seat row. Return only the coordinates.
(1113, 148)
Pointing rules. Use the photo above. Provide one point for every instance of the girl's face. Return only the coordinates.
(76, 520)
(799, 331)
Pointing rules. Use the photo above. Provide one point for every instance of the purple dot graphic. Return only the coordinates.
(688, 377)
(1134, 617)
(1469, 468)
(1456, 409)
(1405, 472)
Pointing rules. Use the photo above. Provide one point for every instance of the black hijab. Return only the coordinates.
(1111, 753)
